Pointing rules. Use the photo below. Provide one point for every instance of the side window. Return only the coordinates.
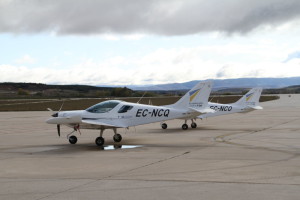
(125, 108)
(103, 107)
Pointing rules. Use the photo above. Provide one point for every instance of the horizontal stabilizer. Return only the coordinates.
(202, 111)
(255, 107)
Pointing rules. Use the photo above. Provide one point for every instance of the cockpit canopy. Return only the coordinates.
(103, 107)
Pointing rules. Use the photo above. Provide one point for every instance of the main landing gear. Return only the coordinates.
(184, 126)
(100, 140)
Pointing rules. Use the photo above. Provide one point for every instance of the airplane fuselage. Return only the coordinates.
(224, 109)
(124, 114)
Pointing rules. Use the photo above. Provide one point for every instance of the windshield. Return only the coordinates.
(103, 107)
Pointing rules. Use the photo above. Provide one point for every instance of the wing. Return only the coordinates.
(114, 123)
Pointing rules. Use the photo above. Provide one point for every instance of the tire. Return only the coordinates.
(185, 127)
(117, 138)
(73, 139)
(99, 141)
(164, 126)
(194, 125)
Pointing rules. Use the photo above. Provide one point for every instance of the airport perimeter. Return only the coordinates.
(238, 156)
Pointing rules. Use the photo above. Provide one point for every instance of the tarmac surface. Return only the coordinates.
(239, 156)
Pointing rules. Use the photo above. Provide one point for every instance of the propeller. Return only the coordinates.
(61, 106)
(56, 115)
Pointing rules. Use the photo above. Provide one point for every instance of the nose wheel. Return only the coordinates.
(73, 139)
(164, 126)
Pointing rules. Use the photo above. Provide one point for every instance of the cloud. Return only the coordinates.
(292, 56)
(161, 17)
(158, 67)
(26, 59)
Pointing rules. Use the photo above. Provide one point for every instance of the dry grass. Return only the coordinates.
(79, 104)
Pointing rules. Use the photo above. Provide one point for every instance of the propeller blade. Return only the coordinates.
(61, 106)
(50, 109)
(58, 129)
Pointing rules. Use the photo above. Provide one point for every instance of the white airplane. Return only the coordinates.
(247, 103)
(113, 114)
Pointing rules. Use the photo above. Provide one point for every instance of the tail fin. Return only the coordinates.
(197, 97)
(251, 99)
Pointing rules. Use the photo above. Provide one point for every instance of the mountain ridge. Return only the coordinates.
(267, 83)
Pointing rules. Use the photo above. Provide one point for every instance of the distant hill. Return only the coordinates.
(295, 89)
(37, 90)
(226, 86)
(219, 84)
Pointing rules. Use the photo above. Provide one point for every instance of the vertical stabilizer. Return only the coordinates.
(251, 99)
(196, 98)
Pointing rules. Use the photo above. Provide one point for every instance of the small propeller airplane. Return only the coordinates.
(247, 103)
(113, 114)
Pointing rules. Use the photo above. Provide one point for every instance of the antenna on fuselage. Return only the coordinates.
(142, 97)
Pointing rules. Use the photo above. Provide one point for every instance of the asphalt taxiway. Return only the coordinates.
(238, 156)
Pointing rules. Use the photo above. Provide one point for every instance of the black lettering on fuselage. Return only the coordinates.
(160, 112)
(166, 113)
(154, 113)
(221, 108)
(145, 112)
(138, 113)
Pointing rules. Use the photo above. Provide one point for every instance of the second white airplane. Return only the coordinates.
(247, 103)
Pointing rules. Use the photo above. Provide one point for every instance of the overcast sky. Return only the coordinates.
(124, 42)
